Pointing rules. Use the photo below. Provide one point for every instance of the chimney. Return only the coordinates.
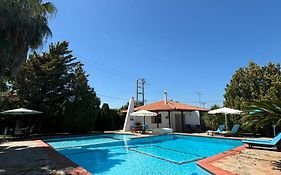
(165, 97)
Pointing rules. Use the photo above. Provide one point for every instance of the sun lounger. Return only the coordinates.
(160, 131)
(145, 129)
(220, 129)
(264, 143)
(233, 131)
(133, 128)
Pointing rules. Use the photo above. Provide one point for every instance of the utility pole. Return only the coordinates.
(137, 94)
(204, 104)
(199, 95)
(140, 90)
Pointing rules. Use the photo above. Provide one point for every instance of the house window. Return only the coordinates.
(154, 119)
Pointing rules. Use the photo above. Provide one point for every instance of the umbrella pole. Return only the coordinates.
(143, 126)
(274, 131)
(225, 120)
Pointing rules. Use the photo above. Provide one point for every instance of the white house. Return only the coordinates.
(171, 114)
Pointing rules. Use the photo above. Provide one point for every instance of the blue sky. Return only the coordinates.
(181, 46)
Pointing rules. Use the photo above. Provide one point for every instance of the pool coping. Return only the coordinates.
(207, 163)
(208, 136)
(60, 159)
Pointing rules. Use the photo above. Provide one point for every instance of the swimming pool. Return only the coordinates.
(120, 154)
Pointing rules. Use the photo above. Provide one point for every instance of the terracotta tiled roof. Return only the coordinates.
(169, 106)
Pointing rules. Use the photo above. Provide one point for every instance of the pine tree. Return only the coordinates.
(83, 106)
(105, 120)
(55, 84)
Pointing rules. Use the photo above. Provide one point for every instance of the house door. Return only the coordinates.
(178, 124)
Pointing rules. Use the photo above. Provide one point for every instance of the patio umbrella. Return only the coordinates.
(225, 111)
(143, 113)
(20, 111)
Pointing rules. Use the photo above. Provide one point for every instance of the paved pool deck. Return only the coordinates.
(242, 160)
(34, 157)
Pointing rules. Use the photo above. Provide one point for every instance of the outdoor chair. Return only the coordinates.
(145, 129)
(18, 132)
(28, 131)
(31, 129)
(219, 130)
(233, 131)
(264, 143)
(133, 128)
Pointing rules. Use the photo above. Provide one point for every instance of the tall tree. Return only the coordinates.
(8, 98)
(253, 83)
(57, 85)
(83, 105)
(105, 120)
(23, 26)
(211, 121)
(44, 81)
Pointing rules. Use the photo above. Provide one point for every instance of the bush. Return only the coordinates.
(105, 119)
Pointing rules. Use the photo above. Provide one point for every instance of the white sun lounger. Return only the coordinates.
(160, 131)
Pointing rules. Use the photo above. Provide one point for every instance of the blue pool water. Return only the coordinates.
(87, 140)
(119, 154)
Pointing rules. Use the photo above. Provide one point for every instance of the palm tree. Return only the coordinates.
(23, 26)
(262, 113)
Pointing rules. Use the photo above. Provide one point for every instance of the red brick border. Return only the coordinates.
(60, 159)
(207, 163)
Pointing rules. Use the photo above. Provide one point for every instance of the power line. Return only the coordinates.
(151, 100)
(126, 76)
(108, 69)
(214, 101)
(199, 95)
(179, 98)
(112, 97)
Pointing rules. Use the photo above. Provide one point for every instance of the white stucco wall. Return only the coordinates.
(148, 121)
(192, 118)
(164, 121)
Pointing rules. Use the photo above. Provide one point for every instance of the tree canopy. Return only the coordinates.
(83, 106)
(211, 121)
(53, 82)
(253, 83)
(105, 120)
(255, 88)
(23, 26)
